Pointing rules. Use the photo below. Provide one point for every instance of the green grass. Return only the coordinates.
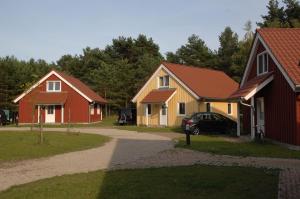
(106, 122)
(150, 129)
(24, 145)
(175, 182)
(217, 145)
(110, 122)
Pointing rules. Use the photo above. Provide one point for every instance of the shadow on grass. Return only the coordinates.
(184, 181)
(174, 182)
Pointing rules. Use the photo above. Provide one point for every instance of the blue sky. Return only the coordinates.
(48, 29)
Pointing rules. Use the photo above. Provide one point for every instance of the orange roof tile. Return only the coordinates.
(284, 44)
(206, 83)
(158, 96)
(82, 87)
(51, 98)
(250, 85)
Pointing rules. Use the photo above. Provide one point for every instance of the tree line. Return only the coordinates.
(121, 68)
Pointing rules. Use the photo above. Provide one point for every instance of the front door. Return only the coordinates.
(260, 114)
(163, 115)
(50, 114)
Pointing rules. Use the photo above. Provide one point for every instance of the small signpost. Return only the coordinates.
(187, 135)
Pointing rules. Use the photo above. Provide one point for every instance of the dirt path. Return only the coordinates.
(132, 150)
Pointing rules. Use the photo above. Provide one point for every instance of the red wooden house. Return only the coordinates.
(59, 98)
(271, 85)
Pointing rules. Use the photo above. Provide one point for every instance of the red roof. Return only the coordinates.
(51, 98)
(284, 44)
(158, 96)
(250, 85)
(82, 87)
(206, 83)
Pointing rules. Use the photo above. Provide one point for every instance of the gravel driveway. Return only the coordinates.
(125, 147)
(129, 149)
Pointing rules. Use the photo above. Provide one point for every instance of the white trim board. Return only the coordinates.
(172, 75)
(251, 58)
(45, 78)
(258, 88)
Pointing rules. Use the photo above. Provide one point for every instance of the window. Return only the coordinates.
(208, 108)
(229, 109)
(92, 109)
(262, 63)
(98, 109)
(50, 110)
(181, 108)
(149, 109)
(53, 86)
(164, 81)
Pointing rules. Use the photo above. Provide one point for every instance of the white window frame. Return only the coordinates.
(178, 109)
(264, 67)
(148, 109)
(92, 110)
(98, 109)
(55, 81)
(164, 81)
(230, 109)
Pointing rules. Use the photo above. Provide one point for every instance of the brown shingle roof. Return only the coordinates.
(206, 83)
(285, 46)
(250, 85)
(51, 98)
(82, 87)
(158, 96)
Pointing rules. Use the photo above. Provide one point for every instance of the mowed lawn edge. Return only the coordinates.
(169, 182)
(24, 145)
(220, 146)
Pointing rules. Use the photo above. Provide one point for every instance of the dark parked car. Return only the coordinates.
(208, 122)
(3, 118)
(127, 116)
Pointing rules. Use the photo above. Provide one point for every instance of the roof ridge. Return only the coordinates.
(195, 67)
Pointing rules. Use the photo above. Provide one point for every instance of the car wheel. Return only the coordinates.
(196, 131)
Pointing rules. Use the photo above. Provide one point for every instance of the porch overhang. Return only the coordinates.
(252, 87)
(159, 96)
(50, 98)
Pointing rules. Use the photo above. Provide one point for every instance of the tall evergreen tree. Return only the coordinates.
(287, 16)
(228, 47)
(195, 53)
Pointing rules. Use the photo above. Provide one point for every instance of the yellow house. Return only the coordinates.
(175, 91)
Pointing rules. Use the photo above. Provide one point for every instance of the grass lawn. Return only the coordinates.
(110, 122)
(176, 182)
(217, 145)
(24, 145)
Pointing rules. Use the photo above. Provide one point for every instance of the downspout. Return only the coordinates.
(252, 115)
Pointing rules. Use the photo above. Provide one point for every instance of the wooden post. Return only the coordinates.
(238, 132)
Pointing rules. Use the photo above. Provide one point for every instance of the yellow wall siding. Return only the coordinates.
(181, 95)
(221, 107)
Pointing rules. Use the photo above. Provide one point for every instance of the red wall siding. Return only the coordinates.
(253, 71)
(76, 106)
(280, 106)
(57, 114)
(298, 119)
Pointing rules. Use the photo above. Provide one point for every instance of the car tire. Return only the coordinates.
(196, 131)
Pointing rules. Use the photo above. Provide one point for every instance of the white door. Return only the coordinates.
(260, 113)
(50, 114)
(163, 116)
